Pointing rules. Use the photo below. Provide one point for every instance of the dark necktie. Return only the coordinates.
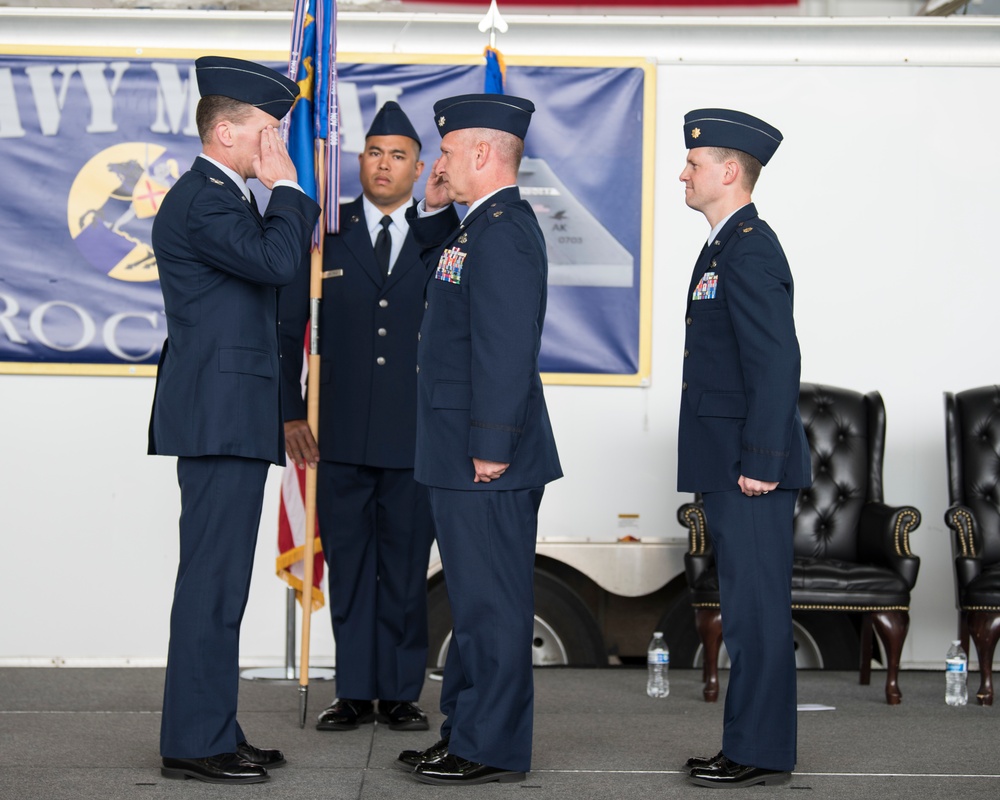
(383, 246)
(253, 203)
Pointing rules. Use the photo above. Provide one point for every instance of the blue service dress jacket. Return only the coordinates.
(479, 394)
(367, 344)
(218, 383)
(739, 400)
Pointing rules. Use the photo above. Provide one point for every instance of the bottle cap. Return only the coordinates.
(657, 633)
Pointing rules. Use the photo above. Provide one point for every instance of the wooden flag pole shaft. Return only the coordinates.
(312, 417)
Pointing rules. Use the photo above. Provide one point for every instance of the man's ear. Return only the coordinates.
(223, 133)
(731, 172)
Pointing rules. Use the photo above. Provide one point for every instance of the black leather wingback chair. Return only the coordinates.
(972, 425)
(852, 551)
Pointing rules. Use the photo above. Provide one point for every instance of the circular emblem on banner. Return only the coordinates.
(111, 207)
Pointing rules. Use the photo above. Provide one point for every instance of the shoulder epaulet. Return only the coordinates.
(497, 212)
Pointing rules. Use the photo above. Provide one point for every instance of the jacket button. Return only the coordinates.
(418, 336)
(381, 331)
(684, 386)
(383, 303)
(689, 320)
(418, 369)
(686, 354)
(425, 304)
(380, 361)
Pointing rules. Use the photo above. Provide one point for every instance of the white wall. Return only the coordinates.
(882, 197)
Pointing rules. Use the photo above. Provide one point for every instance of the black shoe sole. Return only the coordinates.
(500, 777)
(182, 774)
(776, 779)
(404, 766)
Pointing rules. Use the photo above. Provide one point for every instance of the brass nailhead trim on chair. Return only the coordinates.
(817, 607)
(912, 521)
(963, 531)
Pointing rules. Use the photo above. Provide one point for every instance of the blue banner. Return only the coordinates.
(89, 147)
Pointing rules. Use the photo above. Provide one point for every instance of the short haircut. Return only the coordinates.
(215, 107)
(749, 166)
(509, 147)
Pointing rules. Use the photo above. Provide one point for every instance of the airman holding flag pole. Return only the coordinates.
(314, 145)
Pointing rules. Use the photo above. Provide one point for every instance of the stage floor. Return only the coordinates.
(75, 734)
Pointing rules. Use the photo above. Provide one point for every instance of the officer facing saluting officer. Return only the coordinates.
(484, 443)
(741, 443)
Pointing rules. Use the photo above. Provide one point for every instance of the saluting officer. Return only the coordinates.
(484, 443)
(217, 402)
(741, 442)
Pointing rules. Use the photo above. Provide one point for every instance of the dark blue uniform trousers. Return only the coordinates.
(752, 540)
(221, 498)
(487, 544)
(376, 529)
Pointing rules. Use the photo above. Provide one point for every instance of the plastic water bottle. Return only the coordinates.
(956, 673)
(657, 661)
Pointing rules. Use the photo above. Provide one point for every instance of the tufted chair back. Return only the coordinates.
(846, 433)
(852, 551)
(972, 428)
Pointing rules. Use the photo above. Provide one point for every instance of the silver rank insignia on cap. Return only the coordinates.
(441, 121)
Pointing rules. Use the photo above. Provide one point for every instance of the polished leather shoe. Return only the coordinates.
(260, 756)
(346, 715)
(701, 762)
(223, 768)
(727, 774)
(409, 759)
(451, 770)
(402, 716)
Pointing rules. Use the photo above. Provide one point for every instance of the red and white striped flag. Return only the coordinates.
(291, 536)
(292, 527)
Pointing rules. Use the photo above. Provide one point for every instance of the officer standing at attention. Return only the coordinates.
(374, 518)
(741, 443)
(217, 400)
(484, 443)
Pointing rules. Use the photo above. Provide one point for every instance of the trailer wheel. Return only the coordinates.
(565, 632)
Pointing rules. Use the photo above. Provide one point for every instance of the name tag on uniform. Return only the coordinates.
(449, 267)
(705, 290)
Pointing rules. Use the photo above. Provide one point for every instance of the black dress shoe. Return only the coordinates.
(408, 759)
(402, 716)
(223, 768)
(346, 715)
(728, 774)
(454, 771)
(260, 756)
(699, 761)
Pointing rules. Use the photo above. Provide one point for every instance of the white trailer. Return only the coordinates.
(882, 195)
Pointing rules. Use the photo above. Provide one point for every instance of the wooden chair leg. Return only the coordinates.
(892, 627)
(984, 626)
(709, 624)
(865, 674)
(963, 630)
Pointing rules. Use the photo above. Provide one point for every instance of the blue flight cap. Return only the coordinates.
(391, 120)
(497, 111)
(247, 82)
(720, 127)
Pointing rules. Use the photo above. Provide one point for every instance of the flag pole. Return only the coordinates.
(312, 417)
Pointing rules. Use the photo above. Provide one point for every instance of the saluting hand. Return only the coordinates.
(273, 162)
(436, 194)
